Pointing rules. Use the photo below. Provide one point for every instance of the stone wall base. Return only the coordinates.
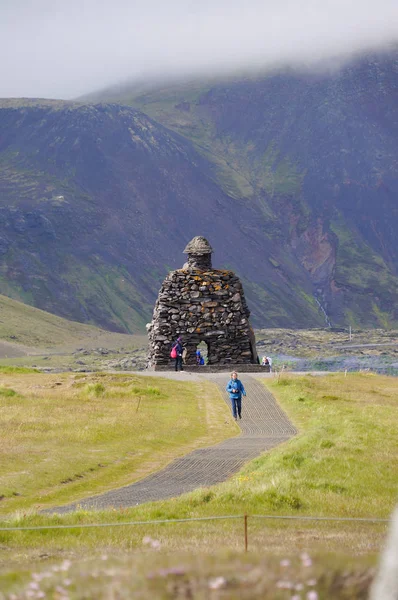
(240, 368)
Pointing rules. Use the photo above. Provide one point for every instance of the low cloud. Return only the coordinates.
(58, 49)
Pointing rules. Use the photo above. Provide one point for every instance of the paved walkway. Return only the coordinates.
(264, 425)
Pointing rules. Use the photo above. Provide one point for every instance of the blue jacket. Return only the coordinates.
(235, 384)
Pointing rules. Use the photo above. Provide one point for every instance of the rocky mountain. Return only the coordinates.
(292, 177)
(98, 202)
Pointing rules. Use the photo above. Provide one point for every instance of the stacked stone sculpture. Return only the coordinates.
(201, 304)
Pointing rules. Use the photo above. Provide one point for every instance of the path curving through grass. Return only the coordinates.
(264, 425)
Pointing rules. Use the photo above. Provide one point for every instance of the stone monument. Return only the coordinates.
(202, 304)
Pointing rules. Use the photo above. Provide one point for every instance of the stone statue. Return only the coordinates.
(201, 304)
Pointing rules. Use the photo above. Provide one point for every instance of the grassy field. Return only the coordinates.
(67, 436)
(29, 330)
(33, 338)
(339, 465)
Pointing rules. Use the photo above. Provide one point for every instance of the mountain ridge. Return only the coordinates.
(84, 213)
(292, 178)
(260, 129)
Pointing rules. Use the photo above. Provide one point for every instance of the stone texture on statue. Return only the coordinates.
(201, 304)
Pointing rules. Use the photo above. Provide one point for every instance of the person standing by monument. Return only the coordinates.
(236, 391)
(178, 350)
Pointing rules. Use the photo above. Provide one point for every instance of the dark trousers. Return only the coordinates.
(236, 406)
(179, 363)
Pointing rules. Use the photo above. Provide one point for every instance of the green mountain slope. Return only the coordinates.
(293, 178)
(97, 204)
(25, 328)
(317, 155)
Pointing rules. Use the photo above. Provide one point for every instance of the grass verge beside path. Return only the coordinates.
(343, 462)
(66, 437)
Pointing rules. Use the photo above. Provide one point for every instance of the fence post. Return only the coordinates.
(245, 518)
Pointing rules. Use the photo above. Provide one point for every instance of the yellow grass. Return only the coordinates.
(339, 465)
(66, 437)
(27, 330)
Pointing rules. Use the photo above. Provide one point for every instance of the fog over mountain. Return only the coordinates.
(65, 49)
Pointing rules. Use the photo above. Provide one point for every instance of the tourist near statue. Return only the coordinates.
(267, 361)
(176, 353)
(199, 358)
(236, 391)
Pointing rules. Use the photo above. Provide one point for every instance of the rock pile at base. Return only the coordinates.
(199, 306)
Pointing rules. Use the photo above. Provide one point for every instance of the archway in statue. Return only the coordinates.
(202, 353)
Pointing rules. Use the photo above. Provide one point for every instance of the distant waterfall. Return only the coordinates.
(328, 323)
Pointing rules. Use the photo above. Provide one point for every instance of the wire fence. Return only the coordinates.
(243, 518)
(193, 519)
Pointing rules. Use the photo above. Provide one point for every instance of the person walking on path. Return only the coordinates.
(179, 350)
(236, 391)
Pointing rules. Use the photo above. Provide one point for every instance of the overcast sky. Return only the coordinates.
(64, 48)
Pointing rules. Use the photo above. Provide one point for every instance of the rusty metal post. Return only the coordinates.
(245, 518)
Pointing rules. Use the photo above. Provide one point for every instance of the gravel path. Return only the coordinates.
(264, 425)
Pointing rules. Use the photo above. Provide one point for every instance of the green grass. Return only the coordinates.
(240, 168)
(339, 465)
(22, 325)
(66, 437)
(370, 273)
(115, 293)
(33, 339)
(6, 370)
(7, 392)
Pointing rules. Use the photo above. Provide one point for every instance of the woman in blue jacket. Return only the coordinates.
(236, 391)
